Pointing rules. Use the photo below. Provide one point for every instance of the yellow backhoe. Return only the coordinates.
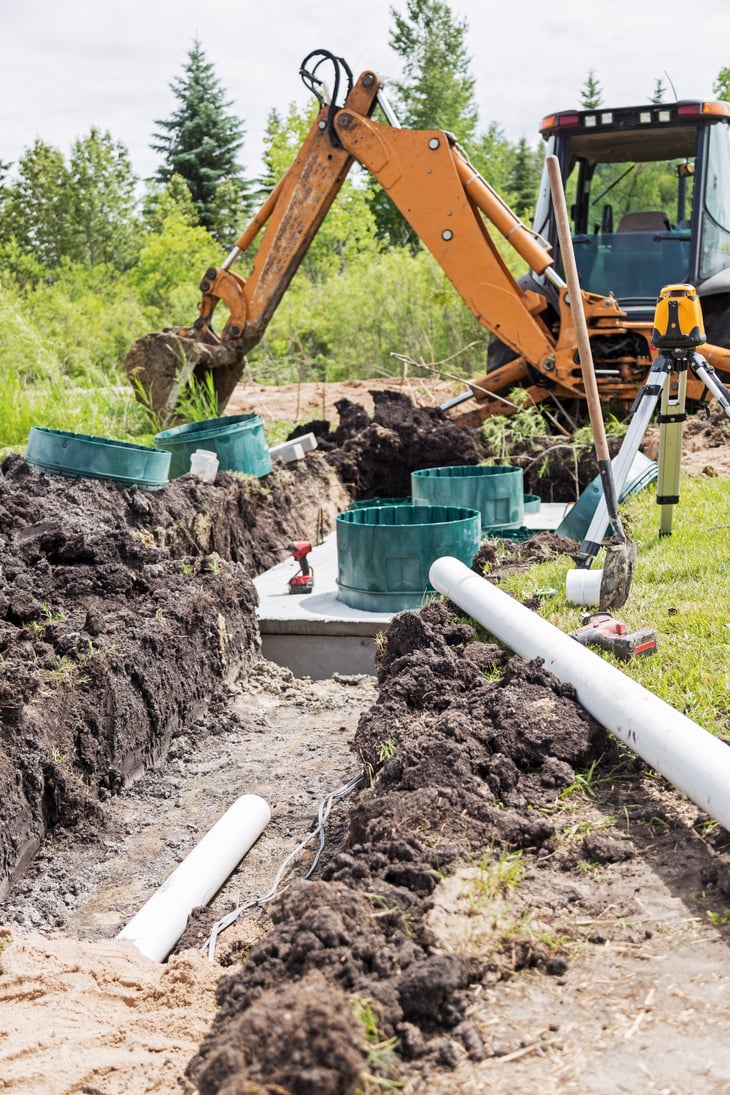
(674, 158)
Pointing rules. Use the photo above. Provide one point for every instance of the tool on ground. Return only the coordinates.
(678, 330)
(601, 629)
(620, 558)
(303, 580)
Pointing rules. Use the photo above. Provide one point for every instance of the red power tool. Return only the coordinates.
(600, 629)
(303, 580)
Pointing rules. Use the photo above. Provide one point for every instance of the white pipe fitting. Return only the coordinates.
(583, 587)
(687, 755)
(158, 925)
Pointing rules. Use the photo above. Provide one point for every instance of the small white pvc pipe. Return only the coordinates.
(158, 925)
(687, 755)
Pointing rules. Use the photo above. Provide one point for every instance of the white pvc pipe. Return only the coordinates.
(158, 925)
(686, 754)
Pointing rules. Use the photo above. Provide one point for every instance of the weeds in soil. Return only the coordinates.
(495, 877)
(501, 433)
(719, 918)
(382, 1061)
(198, 400)
(386, 750)
(680, 587)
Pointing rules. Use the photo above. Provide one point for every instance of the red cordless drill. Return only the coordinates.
(303, 580)
(600, 629)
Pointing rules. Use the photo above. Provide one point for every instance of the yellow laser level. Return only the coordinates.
(678, 322)
(678, 330)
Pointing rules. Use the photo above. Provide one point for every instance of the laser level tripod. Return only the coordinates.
(678, 329)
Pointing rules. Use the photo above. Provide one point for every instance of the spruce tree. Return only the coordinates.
(660, 92)
(591, 96)
(201, 138)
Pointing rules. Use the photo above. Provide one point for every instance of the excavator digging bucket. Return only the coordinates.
(159, 365)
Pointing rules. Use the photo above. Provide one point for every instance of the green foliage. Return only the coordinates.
(36, 206)
(172, 199)
(496, 876)
(37, 388)
(198, 400)
(591, 94)
(523, 178)
(325, 331)
(201, 139)
(103, 224)
(168, 272)
(382, 1060)
(659, 93)
(89, 316)
(495, 153)
(436, 90)
(84, 212)
(721, 86)
(502, 433)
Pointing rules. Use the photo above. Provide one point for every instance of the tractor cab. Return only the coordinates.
(648, 190)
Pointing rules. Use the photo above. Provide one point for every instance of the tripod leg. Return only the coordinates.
(643, 409)
(702, 368)
(672, 417)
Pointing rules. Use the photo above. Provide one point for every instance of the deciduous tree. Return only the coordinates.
(435, 91)
(721, 86)
(103, 221)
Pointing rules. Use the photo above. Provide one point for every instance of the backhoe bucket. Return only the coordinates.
(159, 366)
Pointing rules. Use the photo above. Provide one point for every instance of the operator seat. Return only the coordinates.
(651, 220)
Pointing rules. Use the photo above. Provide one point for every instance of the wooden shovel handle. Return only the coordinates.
(576, 305)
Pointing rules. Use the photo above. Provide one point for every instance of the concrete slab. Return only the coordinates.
(548, 517)
(315, 634)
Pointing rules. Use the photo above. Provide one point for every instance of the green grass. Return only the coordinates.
(680, 588)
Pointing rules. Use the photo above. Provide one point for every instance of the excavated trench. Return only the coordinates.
(123, 615)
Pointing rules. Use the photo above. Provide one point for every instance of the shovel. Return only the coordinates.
(620, 558)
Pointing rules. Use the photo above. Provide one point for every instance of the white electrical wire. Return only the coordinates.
(323, 813)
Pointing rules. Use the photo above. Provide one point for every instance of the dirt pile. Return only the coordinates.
(123, 616)
(375, 456)
(461, 763)
(110, 599)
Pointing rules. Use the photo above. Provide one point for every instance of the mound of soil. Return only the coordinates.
(121, 613)
(470, 761)
(126, 616)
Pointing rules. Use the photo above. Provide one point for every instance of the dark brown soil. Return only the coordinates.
(375, 455)
(121, 613)
(465, 773)
(122, 617)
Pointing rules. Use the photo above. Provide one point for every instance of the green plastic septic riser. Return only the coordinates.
(366, 503)
(82, 456)
(384, 553)
(496, 491)
(239, 443)
(577, 521)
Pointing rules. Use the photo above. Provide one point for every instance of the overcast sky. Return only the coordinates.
(68, 65)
